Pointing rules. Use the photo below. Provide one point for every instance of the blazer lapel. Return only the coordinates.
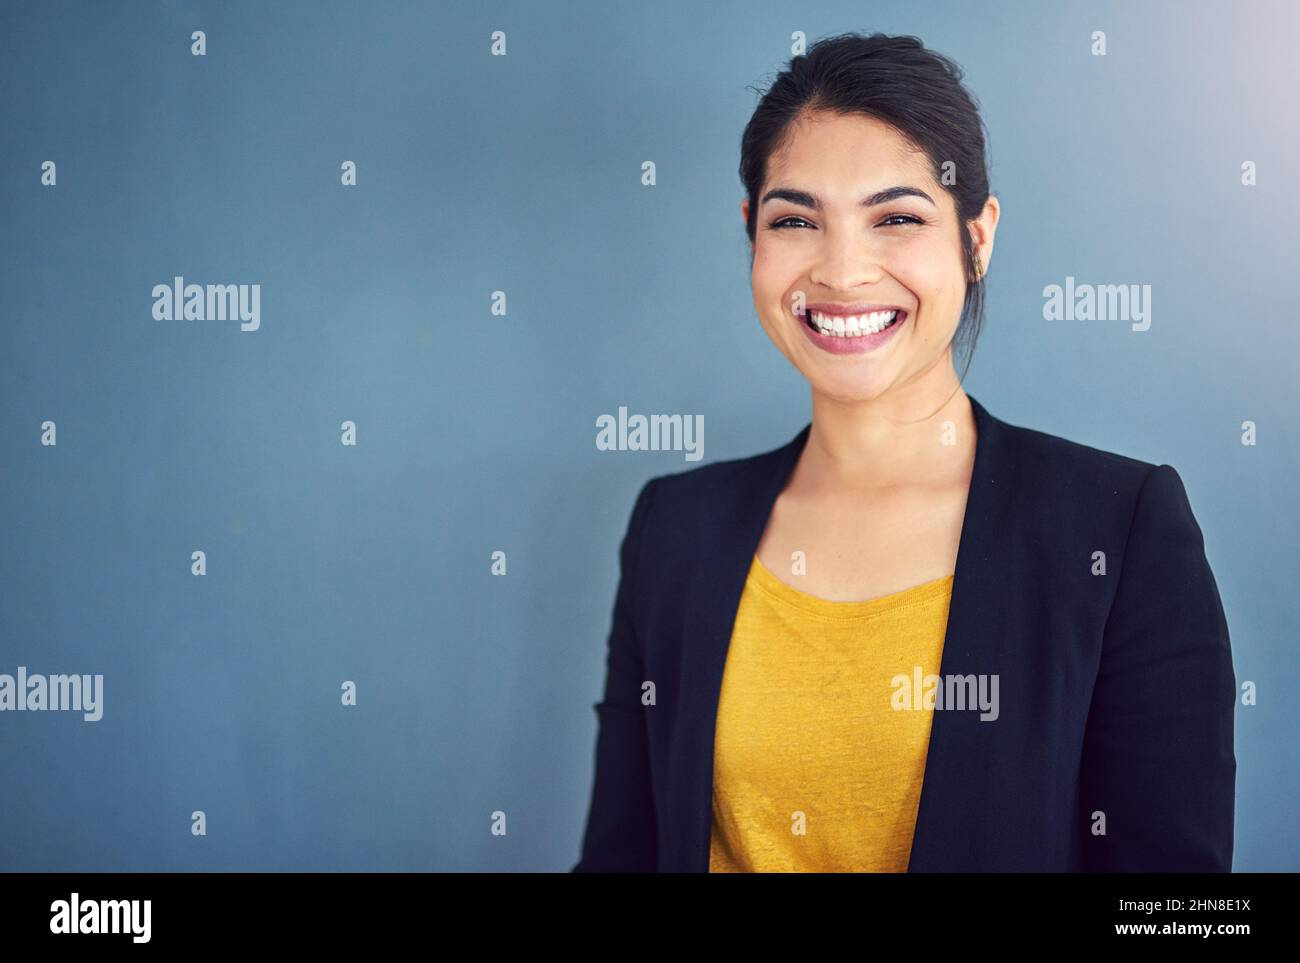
(958, 816)
(726, 550)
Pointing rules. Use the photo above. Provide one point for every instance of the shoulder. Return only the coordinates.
(687, 511)
(1043, 467)
(1064, 460)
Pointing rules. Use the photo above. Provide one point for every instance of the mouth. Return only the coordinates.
(851, 326)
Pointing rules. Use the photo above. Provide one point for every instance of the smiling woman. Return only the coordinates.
(768, 606)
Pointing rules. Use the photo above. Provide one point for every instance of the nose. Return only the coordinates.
(845, 260)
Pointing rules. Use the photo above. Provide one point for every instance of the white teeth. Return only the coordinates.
(849, 327)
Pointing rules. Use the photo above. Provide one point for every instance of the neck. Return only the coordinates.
(897, 439)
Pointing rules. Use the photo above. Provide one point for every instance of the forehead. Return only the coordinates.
(834, 153)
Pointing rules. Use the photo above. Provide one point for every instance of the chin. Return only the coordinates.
(849, 390)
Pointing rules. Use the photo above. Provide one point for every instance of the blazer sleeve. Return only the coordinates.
(621, 833)
(1158, 756)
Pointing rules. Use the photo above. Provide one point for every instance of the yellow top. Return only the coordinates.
(817, 761)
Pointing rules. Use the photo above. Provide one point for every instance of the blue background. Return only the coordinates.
(477, 433)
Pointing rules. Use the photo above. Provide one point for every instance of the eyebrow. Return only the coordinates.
(804, 199)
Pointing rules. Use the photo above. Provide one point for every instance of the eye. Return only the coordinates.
(893, 220)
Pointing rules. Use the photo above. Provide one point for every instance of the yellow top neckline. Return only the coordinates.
(827, 608)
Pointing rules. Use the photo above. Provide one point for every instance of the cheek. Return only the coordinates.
(930, 271)
(767, 277)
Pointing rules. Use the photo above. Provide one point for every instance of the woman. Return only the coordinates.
(916, 637)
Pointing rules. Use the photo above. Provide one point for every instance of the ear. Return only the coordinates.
(744, 219)
(983, 229)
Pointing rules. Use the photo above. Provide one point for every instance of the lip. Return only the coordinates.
(861, 344)
(848, 310)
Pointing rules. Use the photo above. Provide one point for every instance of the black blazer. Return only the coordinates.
(1116, 691)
